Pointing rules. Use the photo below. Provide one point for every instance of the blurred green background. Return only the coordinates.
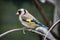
(9, 19)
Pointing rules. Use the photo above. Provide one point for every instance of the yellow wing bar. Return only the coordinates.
(30, 21)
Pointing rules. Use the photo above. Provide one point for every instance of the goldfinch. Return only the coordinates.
(27, 19)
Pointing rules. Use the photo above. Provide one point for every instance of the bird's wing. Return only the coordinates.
(36, 21)
(28, 20)
(31, 21)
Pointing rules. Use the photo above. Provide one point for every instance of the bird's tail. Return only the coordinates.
(41, 25)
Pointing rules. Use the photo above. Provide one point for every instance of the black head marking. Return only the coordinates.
(24, 11)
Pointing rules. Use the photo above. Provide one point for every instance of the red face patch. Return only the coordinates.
(19, 12)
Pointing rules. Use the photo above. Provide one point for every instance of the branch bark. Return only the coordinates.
(12, 30)
(51, 28)
(37, 4)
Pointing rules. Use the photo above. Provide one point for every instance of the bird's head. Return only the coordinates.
(21, 11)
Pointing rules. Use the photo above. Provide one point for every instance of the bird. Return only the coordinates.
(27, 19)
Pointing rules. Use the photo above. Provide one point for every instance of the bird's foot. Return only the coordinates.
(24, 30)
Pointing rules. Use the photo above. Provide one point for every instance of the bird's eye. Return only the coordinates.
(19, 12)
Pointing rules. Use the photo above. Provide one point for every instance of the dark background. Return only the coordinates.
(9, 20)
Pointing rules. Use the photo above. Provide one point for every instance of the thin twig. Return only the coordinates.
(52, 28)
(9, 32)
(12, 30)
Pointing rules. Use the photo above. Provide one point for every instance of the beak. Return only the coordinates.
(17, 13)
